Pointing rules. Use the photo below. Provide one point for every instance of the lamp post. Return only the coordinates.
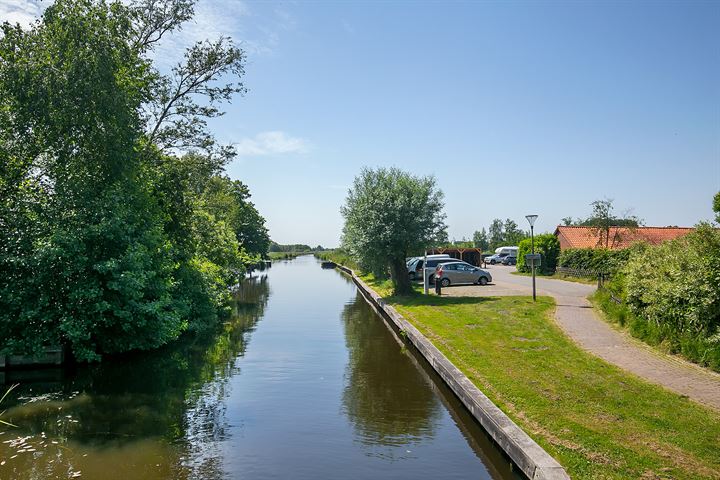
(531, 220)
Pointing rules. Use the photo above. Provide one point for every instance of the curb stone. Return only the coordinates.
(529, 457)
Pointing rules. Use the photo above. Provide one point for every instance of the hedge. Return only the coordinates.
(597, 260)
(547, 245)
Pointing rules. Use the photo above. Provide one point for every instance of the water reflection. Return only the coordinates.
(158, 412)
(325, 391)
(386, 398)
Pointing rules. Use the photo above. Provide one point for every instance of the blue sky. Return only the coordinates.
(515, 107)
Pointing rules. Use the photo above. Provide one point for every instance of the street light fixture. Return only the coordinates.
(531, 220)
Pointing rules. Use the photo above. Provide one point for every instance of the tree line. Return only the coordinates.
(119, 228)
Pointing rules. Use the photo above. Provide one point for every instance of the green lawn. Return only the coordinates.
(594, 418)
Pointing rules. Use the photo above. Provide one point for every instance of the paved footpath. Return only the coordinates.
(580, 322)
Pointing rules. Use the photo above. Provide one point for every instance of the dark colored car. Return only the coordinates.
(509, 260)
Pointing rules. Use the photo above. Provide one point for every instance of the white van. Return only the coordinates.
(513, 251)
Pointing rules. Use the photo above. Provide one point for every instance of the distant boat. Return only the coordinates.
(328, 265)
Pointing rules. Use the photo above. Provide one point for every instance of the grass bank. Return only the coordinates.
(285, 255)
(560, 276)
(595, 419)
(338, 256)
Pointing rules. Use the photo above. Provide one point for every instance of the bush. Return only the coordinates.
(598, 260)
(678, 283)
(671, 296)
(547, 245)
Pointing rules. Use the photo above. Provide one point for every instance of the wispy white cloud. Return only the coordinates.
(257, 35)
(24, 12)
(270, 143)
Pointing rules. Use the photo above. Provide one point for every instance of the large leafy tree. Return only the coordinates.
(108, 238)
(389, 213)
(716, 206)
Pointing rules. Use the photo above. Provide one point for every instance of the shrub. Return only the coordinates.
(598, 260)
(546, 245)
(671, 295)
(678, 283)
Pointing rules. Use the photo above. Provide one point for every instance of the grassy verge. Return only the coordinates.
(338, 256)
(597, 420)
(694, 348)
(285, 255)
(560, 276)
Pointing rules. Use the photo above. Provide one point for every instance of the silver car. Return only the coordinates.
(454, 273)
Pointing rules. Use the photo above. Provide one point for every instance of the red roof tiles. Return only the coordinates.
(619, 237)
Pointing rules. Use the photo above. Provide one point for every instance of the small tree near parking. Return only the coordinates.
(389, 213)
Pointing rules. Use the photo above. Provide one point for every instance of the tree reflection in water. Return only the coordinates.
(164, 406)
(386, 398)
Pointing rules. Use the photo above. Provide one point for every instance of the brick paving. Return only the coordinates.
(577, 318)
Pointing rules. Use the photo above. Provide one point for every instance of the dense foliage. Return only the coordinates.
(388, 214)
(670, 295)
(294, 248)
(111, 239)
(597, 260)
(548, 246)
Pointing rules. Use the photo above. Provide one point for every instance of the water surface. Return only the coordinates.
(303, 382)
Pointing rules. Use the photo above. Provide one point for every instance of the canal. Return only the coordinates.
(303, 382)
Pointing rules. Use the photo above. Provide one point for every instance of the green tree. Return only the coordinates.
(496, 233)
(389, 213)
(95, 271)
(480, 239)
(512, 235)
(716, 206)
(603, 220)
(109, 241)
(229, 201)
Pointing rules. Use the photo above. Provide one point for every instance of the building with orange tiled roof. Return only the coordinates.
(618, 238)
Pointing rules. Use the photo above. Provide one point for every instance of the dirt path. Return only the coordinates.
(580, 322)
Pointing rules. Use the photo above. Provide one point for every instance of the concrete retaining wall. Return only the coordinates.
(51, 356)
(529, 457)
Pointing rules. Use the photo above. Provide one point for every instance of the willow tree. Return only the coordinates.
(389, 213)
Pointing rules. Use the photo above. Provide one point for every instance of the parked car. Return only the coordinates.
(454, 273)
(496, 258)
(433, 264)
(416, 265)
(509, 260)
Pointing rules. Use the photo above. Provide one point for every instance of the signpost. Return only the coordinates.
(534, 258)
